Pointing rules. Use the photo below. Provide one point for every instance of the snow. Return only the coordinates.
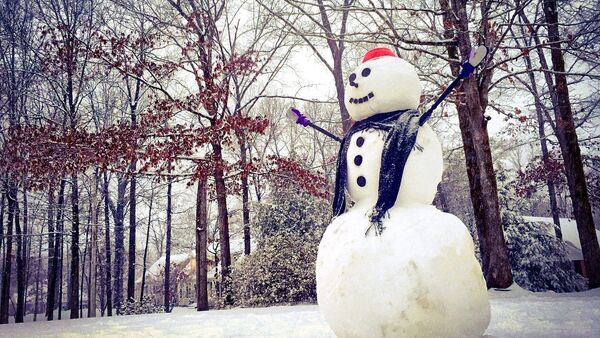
(516, 313)
(419, 277)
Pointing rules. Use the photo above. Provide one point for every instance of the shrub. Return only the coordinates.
(146, 305)
(282, 267)
(539, 260)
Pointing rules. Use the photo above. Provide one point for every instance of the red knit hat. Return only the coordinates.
(377, 53)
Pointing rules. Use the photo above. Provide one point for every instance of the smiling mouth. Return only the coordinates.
(362, 99)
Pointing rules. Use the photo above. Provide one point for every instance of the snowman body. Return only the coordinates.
(423, 168)
(419, 277)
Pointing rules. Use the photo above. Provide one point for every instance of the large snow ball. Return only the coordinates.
(419, 278)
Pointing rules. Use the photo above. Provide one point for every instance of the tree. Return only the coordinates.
(201, 246)
(567, 136)
(473, 99)
(7, 271)
(167, 289)
(318, 19)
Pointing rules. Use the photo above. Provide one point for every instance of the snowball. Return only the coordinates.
(419, 278)
(394, 85)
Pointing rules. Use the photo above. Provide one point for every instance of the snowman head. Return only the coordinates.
(381, 84)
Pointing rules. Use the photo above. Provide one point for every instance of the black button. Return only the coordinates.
(361, 181)
(366, 72)
(360, 141)
(357, 159)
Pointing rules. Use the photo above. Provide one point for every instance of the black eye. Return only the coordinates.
(352, 77)
(366, 72)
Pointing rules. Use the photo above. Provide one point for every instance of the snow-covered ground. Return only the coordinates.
(516, 313)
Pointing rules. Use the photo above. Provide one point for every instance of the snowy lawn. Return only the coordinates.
(514, 314)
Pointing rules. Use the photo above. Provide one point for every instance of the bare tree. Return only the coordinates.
(567, 136)
(318, 25)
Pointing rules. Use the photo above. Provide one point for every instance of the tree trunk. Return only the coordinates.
(74, 296)
(51, 272)
(85, 255)
(94, 247)
(119, 243)
(37, 278)
(223, 218)
(131, 260)
(569, 145)
(62, 255)
(480, 170)
(146, 246)
(440, 200)
(167, 291)
(3, 198)
(6, 273)
(201, 247)
(20, 311)
(245, 196)
(108, 276)
(57, 256)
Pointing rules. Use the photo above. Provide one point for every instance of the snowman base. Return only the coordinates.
(419, 278)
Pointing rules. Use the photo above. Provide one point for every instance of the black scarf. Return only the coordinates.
(401, 129)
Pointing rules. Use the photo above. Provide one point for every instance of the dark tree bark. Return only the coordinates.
(51, 274)
(167, 291)
(132, 215)
(108, 276)
(473, 124)
(571, 153)
(134, 99)
(20, 311)
(83, 263)
(74, 296)
(440, 200)
(57, 256)
(92, 292)
(146, 246)
(37, 278)
(119, 242)
(222, 216)
(245, 197)
(3, 199)
(201, 247)
(6, 273)
(62, 254)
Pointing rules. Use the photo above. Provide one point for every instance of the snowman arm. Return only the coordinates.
(442, 97)
(476, 56)
(302, 120)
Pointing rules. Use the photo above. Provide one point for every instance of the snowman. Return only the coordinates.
(391, 264)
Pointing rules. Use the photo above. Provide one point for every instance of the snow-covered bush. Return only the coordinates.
(539, 259)
(146, 305)
(282, 268)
